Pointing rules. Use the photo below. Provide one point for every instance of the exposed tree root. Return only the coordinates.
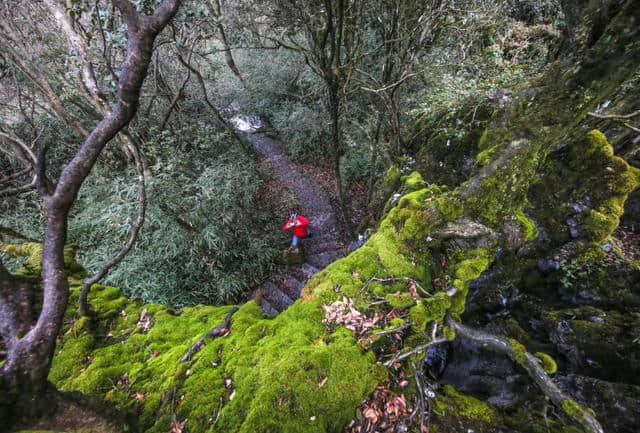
(417, 349)
(219, 331)
(530, 363)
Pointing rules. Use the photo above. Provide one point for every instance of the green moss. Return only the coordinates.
(618, 180)
(469, 269)
(33, 252)
(397, 323)
(400, 301)
(71, 357)
(574, 409)
(597, 145)
(520, 352)
(515, 331)
(528, 227)
(548, 363)
(486, 156)
(484, 140)
(450, 207)
(448, 333)
(599, 226)
(429, 310)
(413, 181)
(465, 406)
(500, 190)
(275, 365)
(466, 267)
(392, 177)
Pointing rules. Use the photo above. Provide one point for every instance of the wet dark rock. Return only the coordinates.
(514, 237)
(579, 207)
(586, 297)
(488, 301)
(631, 217)
(574, 228)
(487, 375)
(436, 359)
(617, 405)
(597, 343)
(547, 265)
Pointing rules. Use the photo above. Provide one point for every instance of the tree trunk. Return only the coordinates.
(23, 377)
(338, 152)
(375, 150)
(217, 11)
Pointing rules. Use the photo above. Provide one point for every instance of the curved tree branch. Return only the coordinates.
(216, 8)
(178, 95)
(28, 361)
(17, 174)
(79, 45)
(619, 118)
(203, 88)
(535, 370)
(85, 309)
(14, 234)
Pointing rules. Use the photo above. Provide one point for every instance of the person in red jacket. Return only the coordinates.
(300, 227)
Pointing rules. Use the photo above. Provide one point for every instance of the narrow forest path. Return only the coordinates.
(326, 246)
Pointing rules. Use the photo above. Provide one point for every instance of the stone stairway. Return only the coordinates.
(282, 289)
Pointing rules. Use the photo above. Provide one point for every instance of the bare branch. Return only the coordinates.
(404, 355)
(615, 116)
(14, 234)
(217, 11)
(135, 229)
(203, 88)
(178, 94)
(18, 190)
(79, 45)
(21, 150)
(15, 175)
(620, 118)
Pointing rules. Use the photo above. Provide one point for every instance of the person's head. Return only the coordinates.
(293, 215)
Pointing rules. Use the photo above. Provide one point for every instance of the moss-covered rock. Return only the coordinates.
(453, 404)
(32, 251)
(548, 363)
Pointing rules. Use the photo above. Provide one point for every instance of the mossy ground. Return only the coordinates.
(531, 154)
(274, 365)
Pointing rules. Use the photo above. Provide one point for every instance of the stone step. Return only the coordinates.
(290, 286)
(323, 259)
(323, 245)
(267, 309)
(275, 296)
(303, 272)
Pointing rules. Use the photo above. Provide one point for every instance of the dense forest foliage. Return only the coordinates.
(480, 161)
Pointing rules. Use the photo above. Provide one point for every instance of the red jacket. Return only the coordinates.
(300, 226)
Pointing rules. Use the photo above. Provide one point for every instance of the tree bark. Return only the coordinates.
(338, 152)
(217, 11)
(29, 355)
